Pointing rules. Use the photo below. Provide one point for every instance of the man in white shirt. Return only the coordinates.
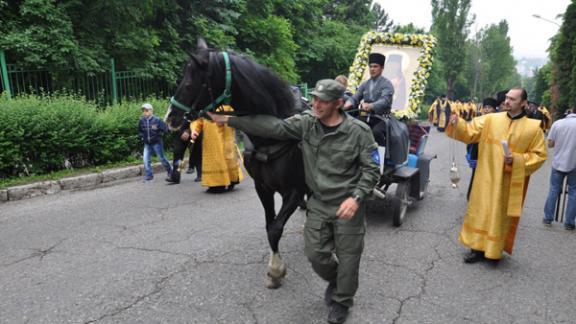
(562, 138)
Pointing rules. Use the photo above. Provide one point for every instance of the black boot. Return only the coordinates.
(232, 185)
(329, 292)
(338, 313)
(492, 262)
(474, 256)
(216, 190)
(174, 178)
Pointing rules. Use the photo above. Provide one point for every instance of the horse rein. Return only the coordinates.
(224, 98)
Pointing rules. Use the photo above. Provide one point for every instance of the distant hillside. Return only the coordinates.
(526, 65)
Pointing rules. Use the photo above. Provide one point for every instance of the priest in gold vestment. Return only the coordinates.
(221, 169)
(501, 181)
(439, 112)
(433, 113)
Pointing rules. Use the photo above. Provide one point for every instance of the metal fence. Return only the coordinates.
(104, 88)
(304, 90)
(132, 86)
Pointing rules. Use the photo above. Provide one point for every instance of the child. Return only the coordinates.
(151, 129)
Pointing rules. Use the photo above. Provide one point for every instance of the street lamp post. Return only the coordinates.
(548, 20)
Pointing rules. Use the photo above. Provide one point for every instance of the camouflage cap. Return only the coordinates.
(328, 90)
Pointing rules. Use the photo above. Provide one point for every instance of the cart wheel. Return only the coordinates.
(400, 203)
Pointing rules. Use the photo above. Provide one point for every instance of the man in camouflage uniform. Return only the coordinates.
(340, 157)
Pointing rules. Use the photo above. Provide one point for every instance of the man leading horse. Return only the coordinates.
(341, 163)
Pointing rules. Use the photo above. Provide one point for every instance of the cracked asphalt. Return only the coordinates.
(152, 253)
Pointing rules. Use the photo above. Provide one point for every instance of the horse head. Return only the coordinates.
(192, 91)
(213, 78)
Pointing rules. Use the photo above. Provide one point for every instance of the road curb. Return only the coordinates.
(84, 181)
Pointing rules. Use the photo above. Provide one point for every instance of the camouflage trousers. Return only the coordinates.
(334, 247)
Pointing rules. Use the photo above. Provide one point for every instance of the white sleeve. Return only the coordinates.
(552, 133)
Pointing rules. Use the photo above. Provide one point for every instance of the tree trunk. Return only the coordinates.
(450, 88)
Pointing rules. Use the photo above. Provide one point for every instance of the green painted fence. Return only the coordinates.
(105, 88)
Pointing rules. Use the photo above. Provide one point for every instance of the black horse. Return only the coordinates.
(213, 77)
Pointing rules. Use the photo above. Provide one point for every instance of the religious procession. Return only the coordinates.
(247, 162)
(441, 109)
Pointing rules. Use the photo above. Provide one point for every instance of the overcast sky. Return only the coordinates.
(529, 36)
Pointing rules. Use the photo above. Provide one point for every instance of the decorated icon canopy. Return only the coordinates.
(408, 65)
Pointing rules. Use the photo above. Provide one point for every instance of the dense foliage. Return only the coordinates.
(43, 134)
(563, 57)
(302, 40)
(469, 66)
(490, 64)
(554, 84)
(451, 21)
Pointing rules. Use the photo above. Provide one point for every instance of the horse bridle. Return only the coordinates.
(223, 99)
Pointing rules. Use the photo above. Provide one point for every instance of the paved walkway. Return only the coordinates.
(153, 253)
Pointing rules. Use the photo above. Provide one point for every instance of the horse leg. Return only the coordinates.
(276, 267)
(273, 277)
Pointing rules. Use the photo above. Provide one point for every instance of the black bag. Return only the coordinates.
(397, 140)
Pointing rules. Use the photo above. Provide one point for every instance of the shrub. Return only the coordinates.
(41, 134)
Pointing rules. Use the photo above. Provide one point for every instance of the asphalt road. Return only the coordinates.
(138, 252)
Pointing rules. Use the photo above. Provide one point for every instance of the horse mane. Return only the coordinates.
(255, 88)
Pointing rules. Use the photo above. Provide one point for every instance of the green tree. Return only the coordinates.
(541, 91)
(268, 37)
(498, 64)
(489, 65)
(350, 11)
(408, 29)
(450, 23)
(334, 49)
(329, 38)
(39, 32)
(472, 73)
(300, 39)
(529, 82)
(383, 22)
(149, 36)
(563, 57)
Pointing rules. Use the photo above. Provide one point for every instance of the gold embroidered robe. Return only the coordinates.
(498, 190)
(220, 156)
(433, 113)
(443, 111)
(547, 122)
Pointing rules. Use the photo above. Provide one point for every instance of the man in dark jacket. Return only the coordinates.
(181, 142)
(533, 112)
(374, 96)
(151, 128)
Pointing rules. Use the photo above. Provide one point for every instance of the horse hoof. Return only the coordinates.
(277, 273)
(272, 283)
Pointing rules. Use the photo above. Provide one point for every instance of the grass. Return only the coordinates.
(130, 161)
(17, 181)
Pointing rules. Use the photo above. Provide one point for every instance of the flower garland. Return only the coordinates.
(418, 86)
